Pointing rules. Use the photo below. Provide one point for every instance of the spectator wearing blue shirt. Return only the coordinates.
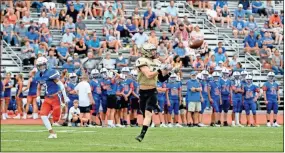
(149, 18)
(33, 38)
(220, 45)
(246, 7)
(181, 51)
(239, 27)
(121, 62)
(171, 11)
(259, 7)
(251, 25)
(219, 56)
(239, 12)
(282, 16)
(267, 39)
(96, 45)
(250, 44)
(78, 6)
(110, 14)
(62, 52)
(69, 66)
(132, 28)
(220, 3)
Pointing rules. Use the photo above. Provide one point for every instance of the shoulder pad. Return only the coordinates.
(54, 74)
(142, 62)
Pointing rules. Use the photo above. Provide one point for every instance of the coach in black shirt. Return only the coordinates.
(72, 12)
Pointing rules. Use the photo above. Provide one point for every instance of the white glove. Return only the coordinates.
(38, 99)
(163, 67)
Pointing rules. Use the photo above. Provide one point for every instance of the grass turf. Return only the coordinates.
(34, 138)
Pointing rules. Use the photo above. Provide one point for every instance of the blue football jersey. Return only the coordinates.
(271, 90)
(46, 79)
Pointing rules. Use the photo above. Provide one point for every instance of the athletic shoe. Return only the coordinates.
(7, 116)
(239, 125)
(119, 125)
(4, 117)
(56, 124)
(152, 125)
(89, 125)
(140, 138)
(69, 124)
(276, 124)
(64, 117)
(52, 136)
(17, 117)
(170, 125)
(178, 125)
(268, 124)
(163, 125)
(255, 125)
(212, 124)
(201, 125)
(233, 124)
(217, 125)
(24, 116)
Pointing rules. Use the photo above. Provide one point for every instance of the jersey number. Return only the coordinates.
(249, 94)
(174, 92)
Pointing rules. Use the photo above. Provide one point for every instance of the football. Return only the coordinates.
(197, 44)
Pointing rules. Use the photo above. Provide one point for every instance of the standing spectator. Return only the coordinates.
(226, 16)
(246, 7)
(83, 90)
(149, 18)
(62, 18)
(53, 18)
(109, 63)
(68, 38)
(171, 11)
(28, 54)
(258, 6)
(52, 60)
(69, 66)
(121, 62)
(240, 12)
(239, 27)
(250, 44)
(44, 19)
(181, 52)
(194, 98)
(71, 12)
(277, 63)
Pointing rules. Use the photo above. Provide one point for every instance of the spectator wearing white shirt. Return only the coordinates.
(160, 15)
(68, 38)
(83, 89)
(108, 63)
(171, 11)
(73, 116)
(212, 14)
(139, 39)
(27, 19)
(44, 19)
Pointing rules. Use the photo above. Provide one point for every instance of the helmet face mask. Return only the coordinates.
(270, 78)
(225, 75)
(216, 78)
(248, 81)
(42, 67)
(104, 75)
(73, 79)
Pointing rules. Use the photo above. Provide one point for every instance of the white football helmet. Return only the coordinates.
(122, 76)
(243, 74)
(110, 74)
(200, 76)
(248, 79)
(216, 76)
(225, 73)
(41, 64)
(236, 75)
(178, 79)
(172, 77)
(104, 72)
(205, 74)
(73, 77)
(95, 74)
(270, 76)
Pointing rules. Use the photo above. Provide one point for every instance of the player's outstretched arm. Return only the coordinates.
(62, 89)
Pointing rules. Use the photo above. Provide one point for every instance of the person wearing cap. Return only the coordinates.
(193, 99)
(239, 27)
(275, 21)
(250, 43)
(239, 12)
(198, 64)
(246, 6)
(72, 12)
(149, 18)
(259, 7)
(69, 66)
(160, 16)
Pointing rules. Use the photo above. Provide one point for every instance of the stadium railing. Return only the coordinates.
(10, 52)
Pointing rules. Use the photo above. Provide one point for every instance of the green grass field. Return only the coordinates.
(34, 138)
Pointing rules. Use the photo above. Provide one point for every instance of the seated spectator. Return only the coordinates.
(267, 39)
(21, 7)
(187, 23)
(118, 8)
(163, 53)
(240, 12)
(264, 53)
(76, 58)
(44, 34)
(43, 47)
(112, 41)
(171, 11)
(49, 5)
(220, 3)
(276, 32)
(133, 57)
(80, 15)
(53, 18)
(131, 27)
(108, 63)
(82, 34)
(108, 26)
(277, 63)
(177, 63)
(139, 39)
(233, 62)
(238, 67)
(259, 7)
(28, 54)
(213, 15)
(212, 64)
(164, 38)
(227, 65)
(246, 7)
(68, 38)
(70, 25)
(173, 25)
(52, 60)
(20, 32)
(181, 52)
(121, 29)
(12, 18)
(197, 34)
(32, 37)
(275, 21)
(219, 56)
(160, 16)
(62, 18)
(153, 39)
(250, 44)
(79, 25)
(27, 19)
(198, 64)
(96, 45)
(71, 12)
(181, 34)
(87, 9)
(137, 18)
(149, 18)
(97, 9)
(219, 67)
(81, 48)
(239, 27)
(78, 5)
(226, 16)
(69, 66)
(251, 25)
(73, 116)
(110, 14)
(44, 19)
(266, 66)
(203, 5)
(8, 33)
(121, 62)
(220, 45)
(63, 53)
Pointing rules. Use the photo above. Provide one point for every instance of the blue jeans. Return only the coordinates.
(38, 5)
(277, 70)
(8, 39)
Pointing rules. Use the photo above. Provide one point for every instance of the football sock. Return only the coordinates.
(219, 122)
(100, 120)
(46, 122)
(135, 120)
(274, 121)
(237, 117)
(132, 122)
(144, 129)
(268, 121)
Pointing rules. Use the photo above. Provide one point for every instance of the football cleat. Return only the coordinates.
(140, 138)
(52, 136)
(268, 124)
(178, 125)
(276, 124)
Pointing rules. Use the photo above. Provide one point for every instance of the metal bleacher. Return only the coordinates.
(213, 34)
